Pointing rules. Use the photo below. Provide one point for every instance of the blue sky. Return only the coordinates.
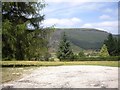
(75, 14)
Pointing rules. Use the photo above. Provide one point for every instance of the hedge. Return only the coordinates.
(110, 58)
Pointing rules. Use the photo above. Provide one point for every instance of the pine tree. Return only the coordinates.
(64, 50)
(112, 45)
(104, 51)
(18, 40)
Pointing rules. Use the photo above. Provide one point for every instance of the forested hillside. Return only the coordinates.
(80, 38)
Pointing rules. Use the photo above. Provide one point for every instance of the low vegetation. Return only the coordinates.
(45, 63)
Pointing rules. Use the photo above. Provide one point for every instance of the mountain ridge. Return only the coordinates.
(85, 38)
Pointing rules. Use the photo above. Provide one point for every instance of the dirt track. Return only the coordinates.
(69, 77)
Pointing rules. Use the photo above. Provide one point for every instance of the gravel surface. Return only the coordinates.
(69, 77)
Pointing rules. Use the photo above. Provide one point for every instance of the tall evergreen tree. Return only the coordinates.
(18, 41)
(117, 46)
(111, 44)
(64, 51)
(21, 12)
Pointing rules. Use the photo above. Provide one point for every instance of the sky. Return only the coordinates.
(75, 14)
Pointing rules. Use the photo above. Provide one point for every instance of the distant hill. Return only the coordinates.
(80, 38)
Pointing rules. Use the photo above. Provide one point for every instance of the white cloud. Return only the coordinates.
(64, 22)
(71, 8)
(87, 25)
(109, 26)
(63, 13)
(112, 24)
(105, 17)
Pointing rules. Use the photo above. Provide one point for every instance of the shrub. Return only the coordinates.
(110, 58)
(81, 54)
(104, 51)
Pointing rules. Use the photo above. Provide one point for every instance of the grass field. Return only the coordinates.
(45, 63)
(12, 70)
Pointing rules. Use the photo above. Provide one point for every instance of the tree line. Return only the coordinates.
(113, 45)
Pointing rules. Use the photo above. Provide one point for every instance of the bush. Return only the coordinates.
(104, 51)
(110, 58)
(81, 54)
(76, 57)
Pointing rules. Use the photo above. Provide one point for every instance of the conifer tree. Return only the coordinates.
(110, 43)
(104, 51)
(113, 44)
(18, 40)
(64, 50)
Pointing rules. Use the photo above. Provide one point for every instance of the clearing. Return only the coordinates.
(75, 76)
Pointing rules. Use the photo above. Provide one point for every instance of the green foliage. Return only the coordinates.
(8, 40)
(64, 50)
(76, 57)
(104, 51)
(110, 58)
(81, 54)
(20, 12)
(113, 45)
(18, 40)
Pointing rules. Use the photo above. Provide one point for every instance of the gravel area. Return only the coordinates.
(69, 77)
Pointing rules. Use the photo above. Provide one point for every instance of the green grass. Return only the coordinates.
(45, 63)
